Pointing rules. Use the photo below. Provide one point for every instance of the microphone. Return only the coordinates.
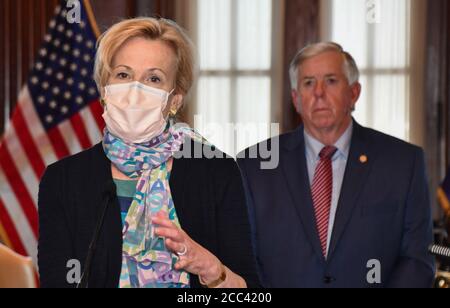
(109, 192)
(442, 280)
(440, 251)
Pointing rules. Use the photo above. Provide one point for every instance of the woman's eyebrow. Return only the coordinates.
(156, 69)
(121, 65)
(153, 69)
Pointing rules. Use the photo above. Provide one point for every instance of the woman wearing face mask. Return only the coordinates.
(128, 211)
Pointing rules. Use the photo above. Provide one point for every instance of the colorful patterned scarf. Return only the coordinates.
(146, 263)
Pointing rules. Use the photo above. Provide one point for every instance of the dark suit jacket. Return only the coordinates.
(208, 196)
(383, 214)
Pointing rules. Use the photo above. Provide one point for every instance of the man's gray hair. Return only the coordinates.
(350, 68)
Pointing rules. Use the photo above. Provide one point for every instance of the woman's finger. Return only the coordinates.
(180, 249)
(162, 214)
(182, 264)
(172, 233)
(162, 221)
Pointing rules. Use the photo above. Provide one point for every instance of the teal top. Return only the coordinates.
(126, 189)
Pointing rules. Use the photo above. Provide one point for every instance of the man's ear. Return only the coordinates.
(296, 100)
(355, 93)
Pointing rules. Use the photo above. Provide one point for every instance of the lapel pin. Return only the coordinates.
(363, 159)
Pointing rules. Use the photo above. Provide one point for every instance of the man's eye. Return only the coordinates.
(331, 81)
(307, 83)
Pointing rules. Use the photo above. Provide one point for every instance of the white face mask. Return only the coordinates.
(134, 111)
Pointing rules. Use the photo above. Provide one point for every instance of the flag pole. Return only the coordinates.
(4, 237)
(443, 200)
(91, 17)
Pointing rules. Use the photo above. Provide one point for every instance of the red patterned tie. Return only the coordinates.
(322, 189)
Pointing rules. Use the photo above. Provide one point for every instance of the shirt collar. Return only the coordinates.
(314, 146)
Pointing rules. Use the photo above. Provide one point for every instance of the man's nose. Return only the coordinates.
(319, 89)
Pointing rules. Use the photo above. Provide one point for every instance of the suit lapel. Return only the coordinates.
(357, 170)
(296, 173)
(177, 182)
(112, 225)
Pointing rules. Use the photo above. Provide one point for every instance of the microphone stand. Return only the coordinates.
(109, 191)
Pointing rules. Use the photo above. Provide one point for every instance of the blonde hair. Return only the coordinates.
(350, 68)
(150, 28)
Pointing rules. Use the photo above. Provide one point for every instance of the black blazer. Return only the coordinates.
(209, 199)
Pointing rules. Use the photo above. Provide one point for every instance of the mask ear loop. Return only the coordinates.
(170, 94)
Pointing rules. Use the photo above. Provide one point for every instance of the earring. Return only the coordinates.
(173, 112)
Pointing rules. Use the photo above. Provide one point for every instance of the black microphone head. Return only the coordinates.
(440, 251)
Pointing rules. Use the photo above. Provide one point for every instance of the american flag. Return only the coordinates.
(58, 114)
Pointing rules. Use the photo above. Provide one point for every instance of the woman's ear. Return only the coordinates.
(176, 104)
(102, 98)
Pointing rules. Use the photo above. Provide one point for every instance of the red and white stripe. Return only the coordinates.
(25, 152)
(321, 190)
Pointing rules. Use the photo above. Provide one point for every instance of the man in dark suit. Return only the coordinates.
(347, 206)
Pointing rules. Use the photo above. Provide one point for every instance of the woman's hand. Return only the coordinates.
(193, 258)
